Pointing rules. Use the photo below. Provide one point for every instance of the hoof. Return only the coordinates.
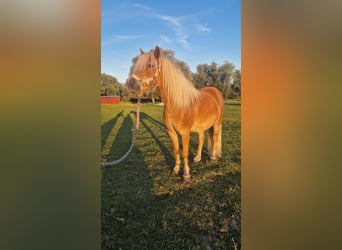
(187, 177)
(197, 159)
(176, 170)
(213, 158)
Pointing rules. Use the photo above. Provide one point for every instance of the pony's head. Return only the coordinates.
(145, 76)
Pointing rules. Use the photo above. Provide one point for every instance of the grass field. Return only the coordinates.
(146, 206)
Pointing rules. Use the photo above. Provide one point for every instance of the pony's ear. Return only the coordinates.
(157, 52)
(141, 51)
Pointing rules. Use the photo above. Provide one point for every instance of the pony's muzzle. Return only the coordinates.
(133, 86)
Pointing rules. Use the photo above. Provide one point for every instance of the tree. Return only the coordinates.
(219, 76)
(110, 85)
(237, 82)
(225, 72)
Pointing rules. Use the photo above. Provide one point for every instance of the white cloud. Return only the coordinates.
(183, 41)
(174, 21)
(202, 28)
(143, 7)
(165, 39)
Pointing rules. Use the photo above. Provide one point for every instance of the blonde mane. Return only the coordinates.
(177, 88)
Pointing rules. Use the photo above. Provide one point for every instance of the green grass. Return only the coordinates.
(146, 206)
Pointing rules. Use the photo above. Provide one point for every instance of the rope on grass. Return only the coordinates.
(137, 123)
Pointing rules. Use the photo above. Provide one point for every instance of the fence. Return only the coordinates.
(110, 99)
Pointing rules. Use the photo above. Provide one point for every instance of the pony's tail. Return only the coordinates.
(219, 142)
(210, 139)
(217, 151)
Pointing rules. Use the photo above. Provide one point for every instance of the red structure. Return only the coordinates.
(110, 99)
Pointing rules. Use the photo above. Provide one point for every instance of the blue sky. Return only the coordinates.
(198, 31)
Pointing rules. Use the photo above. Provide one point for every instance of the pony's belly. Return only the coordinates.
(201, 126)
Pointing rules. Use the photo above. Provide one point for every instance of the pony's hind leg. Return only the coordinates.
(198, 156)
(214, 141)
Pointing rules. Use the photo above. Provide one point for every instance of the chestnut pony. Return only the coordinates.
(185, 108)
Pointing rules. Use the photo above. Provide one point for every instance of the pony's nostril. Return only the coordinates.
(132, 85)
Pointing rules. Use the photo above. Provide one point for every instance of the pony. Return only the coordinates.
(186, 109)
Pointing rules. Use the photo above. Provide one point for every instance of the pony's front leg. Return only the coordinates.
(185, 154)
(174, 138)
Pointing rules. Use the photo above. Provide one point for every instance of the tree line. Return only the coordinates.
(224, 77)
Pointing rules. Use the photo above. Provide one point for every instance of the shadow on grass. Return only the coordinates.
(155, 122)
(122, 141)
(156, 135)
(107, 127)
